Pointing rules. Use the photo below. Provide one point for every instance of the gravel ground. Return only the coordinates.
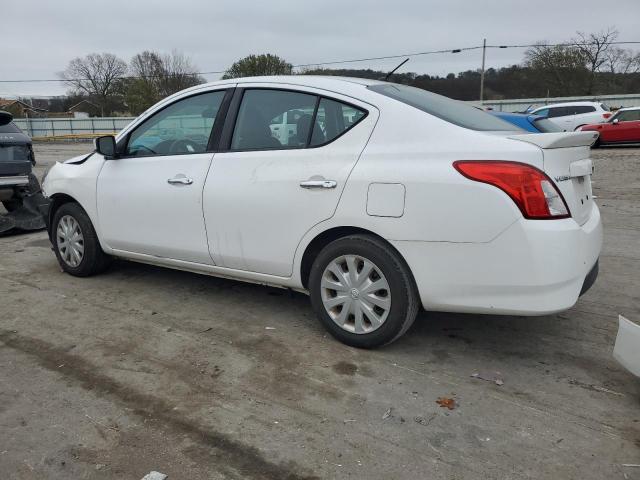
(146, 369)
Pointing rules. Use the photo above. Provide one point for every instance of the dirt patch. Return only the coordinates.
(245, 460)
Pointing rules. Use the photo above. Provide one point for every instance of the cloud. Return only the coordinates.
(216, 33)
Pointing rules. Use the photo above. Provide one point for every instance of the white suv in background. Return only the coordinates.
(572, 115)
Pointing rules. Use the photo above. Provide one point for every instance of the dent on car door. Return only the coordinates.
(268, 189)
(150, 199)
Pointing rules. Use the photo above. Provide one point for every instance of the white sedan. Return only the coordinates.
(373, 197)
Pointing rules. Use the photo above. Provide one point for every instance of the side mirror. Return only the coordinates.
(615, 121)
(106, 146)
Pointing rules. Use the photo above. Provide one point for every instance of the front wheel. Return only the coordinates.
(75, 242)
(363, 292)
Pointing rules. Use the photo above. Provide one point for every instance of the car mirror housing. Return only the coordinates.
(106, 146)
(615, 121)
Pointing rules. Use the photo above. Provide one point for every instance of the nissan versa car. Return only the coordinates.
(380, 199)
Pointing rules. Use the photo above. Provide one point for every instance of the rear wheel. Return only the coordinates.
(75, 242)
(363, 292)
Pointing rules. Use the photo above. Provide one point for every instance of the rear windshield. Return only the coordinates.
(9, 153)
(545, 125)
(9, 128)
(445, 108)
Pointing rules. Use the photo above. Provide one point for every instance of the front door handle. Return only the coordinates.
(180, 180)
(319, 184)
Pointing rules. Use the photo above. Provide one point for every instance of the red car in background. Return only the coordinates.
(623, 127)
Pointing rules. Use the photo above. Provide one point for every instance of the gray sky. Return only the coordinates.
(44, 35)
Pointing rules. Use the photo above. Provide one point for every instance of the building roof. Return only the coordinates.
(4, 103)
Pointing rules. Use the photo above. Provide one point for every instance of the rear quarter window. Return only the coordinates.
(444, 108)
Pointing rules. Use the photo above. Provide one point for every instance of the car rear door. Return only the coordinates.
(150, 199)
(264, 191)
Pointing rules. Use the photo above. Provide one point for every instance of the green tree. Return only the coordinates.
(257, 65)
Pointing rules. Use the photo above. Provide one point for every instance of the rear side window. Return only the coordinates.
(578, 109)
(605, 107)
(558, 112)
(444, 108)
(271, 119)
(332, 120)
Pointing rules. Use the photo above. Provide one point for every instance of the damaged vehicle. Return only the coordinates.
(380, 199)
(20, 192)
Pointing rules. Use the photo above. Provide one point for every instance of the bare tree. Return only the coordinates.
(155, 76)
(178, 73)
(98, 75)
(619, 60)
(594, 48)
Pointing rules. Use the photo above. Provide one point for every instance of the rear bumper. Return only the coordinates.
(532, 268)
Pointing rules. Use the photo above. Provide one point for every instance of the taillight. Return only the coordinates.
(530, 188)
(606, 115)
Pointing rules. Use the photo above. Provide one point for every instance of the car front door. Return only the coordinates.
(149, 199)
(627, 127)
(266, 191)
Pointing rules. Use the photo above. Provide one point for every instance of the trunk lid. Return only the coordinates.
(567, 161)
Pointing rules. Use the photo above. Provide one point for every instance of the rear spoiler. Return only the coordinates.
(559, 140)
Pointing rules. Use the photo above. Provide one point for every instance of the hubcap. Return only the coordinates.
(355, 294)
(70, 241)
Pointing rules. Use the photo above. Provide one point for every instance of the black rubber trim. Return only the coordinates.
(590, 279)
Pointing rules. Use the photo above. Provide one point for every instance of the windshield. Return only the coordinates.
(9, 128)
(452, 111)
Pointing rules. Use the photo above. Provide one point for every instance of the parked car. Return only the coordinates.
(528, 122)
(19, 188)
(398, 198)
(572, 115)
(622, 127)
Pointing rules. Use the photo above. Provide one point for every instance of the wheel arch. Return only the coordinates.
(57, 200)
(324, 238)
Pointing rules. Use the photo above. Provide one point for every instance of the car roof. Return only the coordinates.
(626, 109)
(303, 80)
(568, 104)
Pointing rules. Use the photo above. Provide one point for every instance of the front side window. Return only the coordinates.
(332, 120)
(447, 109)
(183, 127)
(543, 113)
(273, 119)
(628, 116)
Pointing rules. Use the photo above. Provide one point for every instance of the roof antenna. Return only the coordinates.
(386, 78)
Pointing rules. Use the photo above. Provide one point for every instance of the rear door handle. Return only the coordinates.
(180, 180)
(319, 184)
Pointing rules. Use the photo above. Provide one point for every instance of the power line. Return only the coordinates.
(355, 60)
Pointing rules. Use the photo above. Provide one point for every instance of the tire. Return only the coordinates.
(93, 260)
(386, 265)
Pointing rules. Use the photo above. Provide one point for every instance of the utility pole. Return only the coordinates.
(484, 55)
